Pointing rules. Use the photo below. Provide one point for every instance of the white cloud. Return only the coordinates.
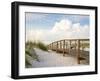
(61, 30)
(62, 25)
(34, 35)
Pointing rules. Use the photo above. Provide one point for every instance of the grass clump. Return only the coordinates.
(38, 44)
(42, 46)
(30, 54)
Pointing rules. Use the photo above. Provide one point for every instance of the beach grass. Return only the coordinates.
(30, 53)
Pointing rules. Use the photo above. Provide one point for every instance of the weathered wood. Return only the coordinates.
(56, 46)
(52, 46)
(75, 44)
(65, 46)
(69, 46)
(60, 45)
(78, 51)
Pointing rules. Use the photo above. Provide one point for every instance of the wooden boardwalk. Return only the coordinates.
(66, 46)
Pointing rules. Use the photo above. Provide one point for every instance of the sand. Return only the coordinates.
(53, 59)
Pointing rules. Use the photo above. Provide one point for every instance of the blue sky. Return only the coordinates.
(50, 27)
(47, 20)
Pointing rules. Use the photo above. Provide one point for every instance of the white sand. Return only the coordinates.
(52, 59)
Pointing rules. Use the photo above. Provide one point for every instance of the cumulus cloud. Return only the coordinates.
(62, 25)
(63, 29)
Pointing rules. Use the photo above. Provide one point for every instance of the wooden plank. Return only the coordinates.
(59, 46)
(74, 39)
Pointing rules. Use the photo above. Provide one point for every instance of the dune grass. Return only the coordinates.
(85, 45)
(38, 44)
(30, 53)
(42, 46)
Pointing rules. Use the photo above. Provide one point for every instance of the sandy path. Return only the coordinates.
(52, 59)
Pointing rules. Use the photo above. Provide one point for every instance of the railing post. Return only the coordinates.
(49, 46)
(78, 51)
(60, 46)
(66, 49)
(63, 47)
(69, 46)
(52, 46)
(57, 46)
(75, 45)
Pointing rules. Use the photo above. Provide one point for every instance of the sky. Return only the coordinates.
(49, 27)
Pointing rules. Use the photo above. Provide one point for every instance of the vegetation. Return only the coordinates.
(38, 44)
(41, 46)
(84, 45)
(30, 53)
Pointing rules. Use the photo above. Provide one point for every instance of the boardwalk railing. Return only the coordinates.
(67, 45)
